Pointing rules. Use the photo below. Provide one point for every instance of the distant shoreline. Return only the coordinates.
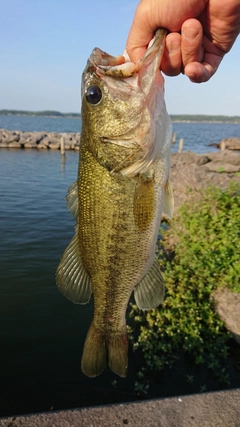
(52, 114)
(177, 118)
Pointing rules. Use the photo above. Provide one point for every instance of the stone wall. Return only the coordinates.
(38, 140)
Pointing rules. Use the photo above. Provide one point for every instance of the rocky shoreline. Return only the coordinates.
(197, 171)
(39, 140)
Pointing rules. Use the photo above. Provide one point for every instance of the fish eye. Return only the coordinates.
(93, 95)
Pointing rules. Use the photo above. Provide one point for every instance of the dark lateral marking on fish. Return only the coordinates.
(143, 203)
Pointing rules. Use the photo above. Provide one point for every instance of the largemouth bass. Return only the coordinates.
(118, 198)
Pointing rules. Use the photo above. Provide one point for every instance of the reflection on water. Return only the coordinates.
(63, 163)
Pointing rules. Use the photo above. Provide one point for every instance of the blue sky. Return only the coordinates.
(45, 45)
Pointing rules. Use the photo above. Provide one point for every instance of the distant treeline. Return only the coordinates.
(204, 118)
(47, 113)
(174, 117)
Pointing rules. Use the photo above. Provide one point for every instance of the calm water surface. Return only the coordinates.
(41, 332)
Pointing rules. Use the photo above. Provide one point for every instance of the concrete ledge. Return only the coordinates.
(218, 409)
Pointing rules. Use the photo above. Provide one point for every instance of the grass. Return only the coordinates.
(200, 251)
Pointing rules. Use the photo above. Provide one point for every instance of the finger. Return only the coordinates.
(171, 62)
(192, 37)
(135, 52)
(140, 33)
(202, 72)
(199, 73)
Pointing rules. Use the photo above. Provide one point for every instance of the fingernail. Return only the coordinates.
(190, 33)
(173, 46)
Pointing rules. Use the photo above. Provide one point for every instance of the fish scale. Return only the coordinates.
(118, 198)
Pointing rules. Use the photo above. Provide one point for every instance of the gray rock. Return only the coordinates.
(39, 136)
(22, 141)
(202, 160)
(3, 136)
(227, 305)
(226, 156)
(50, 139)
(30, 144)
(6, 133)
(230, 143)
(42, 146)
(32, 137)
(54, 145)
(40, 140)
(14, 144)
(12, 138)
(31, 140)
(186, 173)
(3, 145)
(222, 167)
(74, 145)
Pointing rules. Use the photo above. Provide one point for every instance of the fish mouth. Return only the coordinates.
(120, 66)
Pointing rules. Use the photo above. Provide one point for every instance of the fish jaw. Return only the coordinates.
(122, 67)
(140, 74)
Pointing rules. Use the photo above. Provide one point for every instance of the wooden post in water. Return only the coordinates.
(222, 145)
(181, 142)
(174, 138)
(62, 145)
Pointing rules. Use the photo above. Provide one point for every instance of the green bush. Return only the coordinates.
(200, 251)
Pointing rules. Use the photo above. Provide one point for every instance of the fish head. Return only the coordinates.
(119, 100)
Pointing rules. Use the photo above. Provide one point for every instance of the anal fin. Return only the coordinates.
(149, 293)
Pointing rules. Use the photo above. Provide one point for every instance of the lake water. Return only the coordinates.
(41, 332)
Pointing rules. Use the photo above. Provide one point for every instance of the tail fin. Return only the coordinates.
(101, 349)
(118, 354)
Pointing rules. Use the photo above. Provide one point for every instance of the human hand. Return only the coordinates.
(201, 33)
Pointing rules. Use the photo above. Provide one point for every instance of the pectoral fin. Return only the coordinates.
(149, 293)
(168, 204)
(72, 199)
(71, 277)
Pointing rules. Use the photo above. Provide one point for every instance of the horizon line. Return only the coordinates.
(56, 112)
